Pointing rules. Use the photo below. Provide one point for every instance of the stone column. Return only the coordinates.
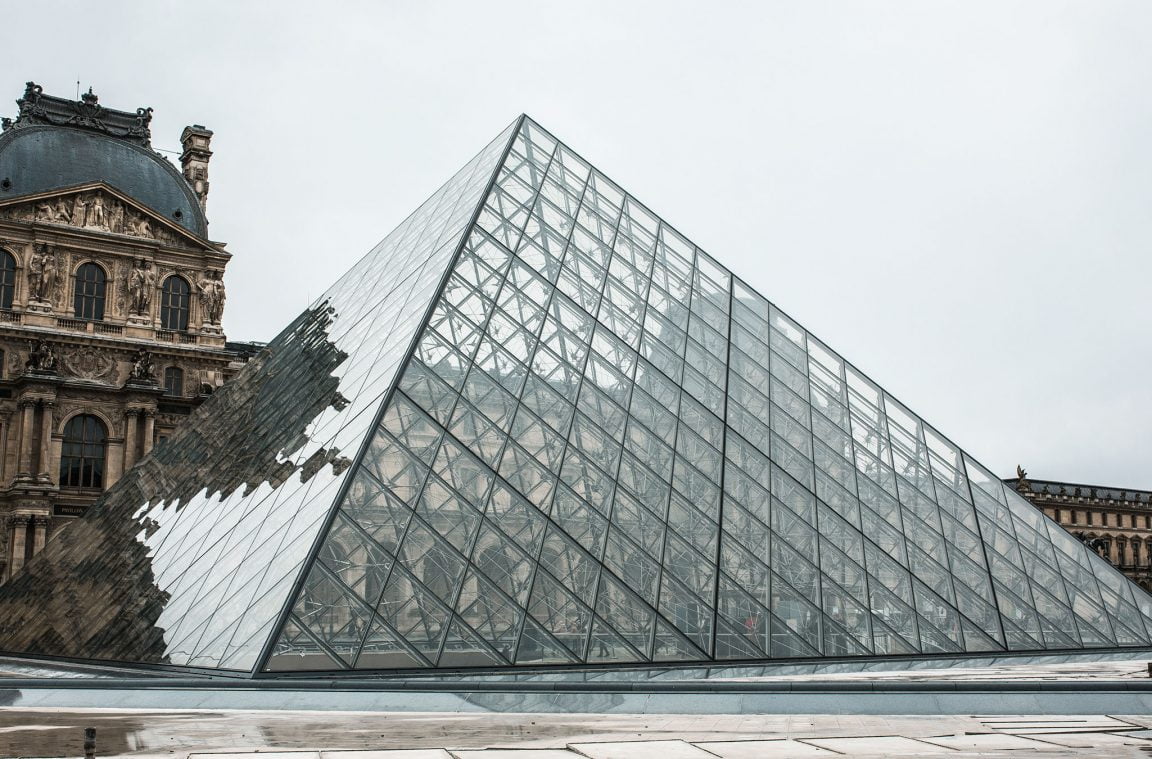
(18, 527)
(27, 410)
(46, 442)
(149, 430)
(130, 417)
(4, 425)
(39, 534)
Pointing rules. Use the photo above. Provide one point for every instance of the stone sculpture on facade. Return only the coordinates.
(141, 284)
(42, 271)
(143, 369)
(38, 108)
(211, 297)
(95, 216)
(79, 210)
(58, 211)
(41, 358)
(92, 210)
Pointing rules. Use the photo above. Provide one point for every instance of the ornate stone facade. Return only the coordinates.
(111, 298)
(1116, 523)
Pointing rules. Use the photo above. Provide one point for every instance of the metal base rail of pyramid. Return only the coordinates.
(536, 429)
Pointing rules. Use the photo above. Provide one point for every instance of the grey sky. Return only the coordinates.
(954, 195)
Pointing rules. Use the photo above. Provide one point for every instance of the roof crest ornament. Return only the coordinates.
(86, 113)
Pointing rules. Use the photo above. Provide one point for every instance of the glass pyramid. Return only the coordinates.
(537, 426)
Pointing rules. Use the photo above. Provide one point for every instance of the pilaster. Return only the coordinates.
(18, 530)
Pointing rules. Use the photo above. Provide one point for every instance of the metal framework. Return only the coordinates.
(536, 426)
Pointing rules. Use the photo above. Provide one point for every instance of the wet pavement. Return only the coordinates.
(358, 735)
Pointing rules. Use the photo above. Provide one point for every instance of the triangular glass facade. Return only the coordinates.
(537, 426)
(191, 557)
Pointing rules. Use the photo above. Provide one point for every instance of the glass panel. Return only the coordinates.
(536, 425)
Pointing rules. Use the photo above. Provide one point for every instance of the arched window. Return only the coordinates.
(7, 279)
(90, 286)
(174, 304)
(82, 454)
(174, 381)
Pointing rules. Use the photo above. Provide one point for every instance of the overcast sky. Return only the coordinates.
(954, 195)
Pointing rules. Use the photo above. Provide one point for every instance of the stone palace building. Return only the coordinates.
(111, 295)
(1115, 523)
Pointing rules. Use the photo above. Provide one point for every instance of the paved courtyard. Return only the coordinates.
(358, 735)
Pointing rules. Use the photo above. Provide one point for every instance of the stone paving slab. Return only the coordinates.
(987, 742)
(418, 753)
(1091, 740)
(765, 749)
(222, 734)
(263, 755)
(1064, 724)
(641, 750)
(514, 753)
(883, 745)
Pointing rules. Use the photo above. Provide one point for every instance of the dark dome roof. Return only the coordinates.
(39, 158)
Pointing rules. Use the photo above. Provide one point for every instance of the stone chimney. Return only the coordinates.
(194, 160)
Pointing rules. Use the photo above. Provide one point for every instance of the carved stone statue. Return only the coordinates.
(142, 367)
(63, 212)
(1022, 483)
(79, 210)
(95, 217)
(211, 296)
(36, 273)
(139, 226)
(115, 218)
(48, 278)
(141, 284)
(42, 274)
(41, 358)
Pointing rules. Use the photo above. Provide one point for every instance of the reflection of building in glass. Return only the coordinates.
(1115, 523)
(544, 428)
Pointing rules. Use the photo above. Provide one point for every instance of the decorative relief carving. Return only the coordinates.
(121, 298)
(64, 259)
(93, 209)
(170, 420)
(89, 363)
(85, 113)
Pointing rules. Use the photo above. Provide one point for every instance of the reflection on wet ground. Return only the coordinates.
(175, 733)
